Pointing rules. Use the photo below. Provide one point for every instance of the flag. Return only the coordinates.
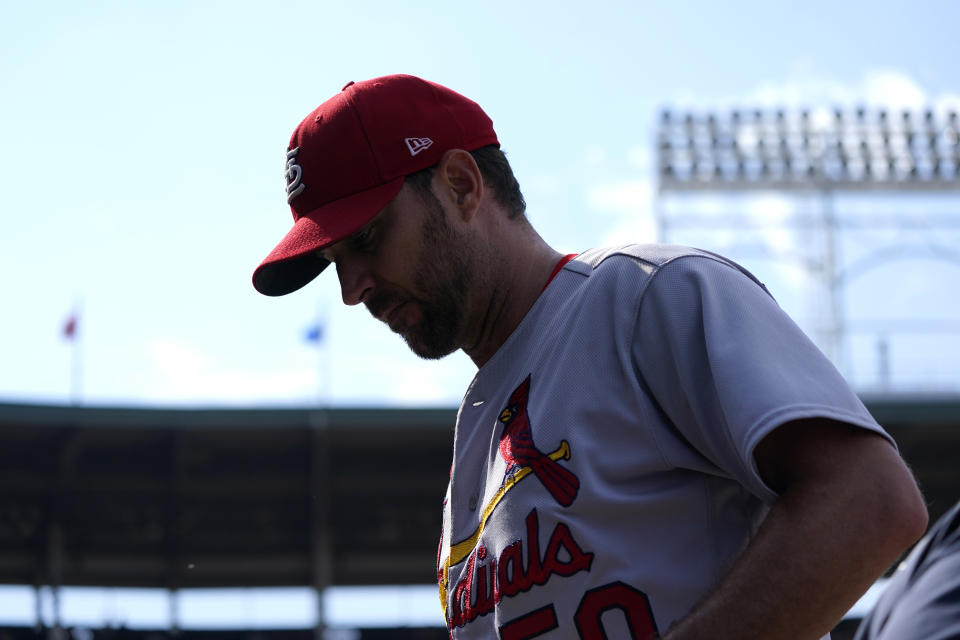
(314, 333)
(70, 327)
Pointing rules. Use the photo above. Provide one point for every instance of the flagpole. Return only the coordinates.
(71, 329)
(316, 334)
(75, 373)
(76, 356)
(323, 381)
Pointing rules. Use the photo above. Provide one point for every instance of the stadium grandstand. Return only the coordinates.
(185, 499)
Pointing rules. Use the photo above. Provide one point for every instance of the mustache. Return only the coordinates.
(379, 302)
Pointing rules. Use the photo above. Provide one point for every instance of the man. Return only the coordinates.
(650, 447)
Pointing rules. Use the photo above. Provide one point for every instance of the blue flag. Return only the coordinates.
(314, 334)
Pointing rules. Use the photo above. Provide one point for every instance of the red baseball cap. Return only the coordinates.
(347, 160)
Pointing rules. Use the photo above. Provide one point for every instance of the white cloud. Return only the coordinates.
(631, 203)
(877, 88)
(804, 87)
(171, 358)
(420, 382)
(947, 102)
(624, 197)
(769, 212)
(892, 89)
(799, 93)
(180, 372)
(769, 208)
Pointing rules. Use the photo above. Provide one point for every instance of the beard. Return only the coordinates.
(442, 276)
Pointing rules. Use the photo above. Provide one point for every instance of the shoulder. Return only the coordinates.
(642, 264)
(652, 256)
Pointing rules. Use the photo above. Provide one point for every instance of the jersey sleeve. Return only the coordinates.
(727, 366)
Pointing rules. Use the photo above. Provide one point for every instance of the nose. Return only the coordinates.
(356, 281)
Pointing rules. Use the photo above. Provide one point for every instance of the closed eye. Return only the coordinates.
(362, 240)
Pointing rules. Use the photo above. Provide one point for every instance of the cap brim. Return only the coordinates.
(294, 262)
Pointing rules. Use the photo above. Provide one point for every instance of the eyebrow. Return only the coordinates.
(349, 239)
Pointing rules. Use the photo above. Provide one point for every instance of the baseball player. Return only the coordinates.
(650, 447)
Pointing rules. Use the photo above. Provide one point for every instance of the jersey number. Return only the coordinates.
(616, 595)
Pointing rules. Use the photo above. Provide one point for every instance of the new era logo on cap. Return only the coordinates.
(416, 145)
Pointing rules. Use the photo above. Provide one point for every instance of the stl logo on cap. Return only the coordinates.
(293, 173)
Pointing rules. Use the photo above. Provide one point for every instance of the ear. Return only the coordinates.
(459, 179)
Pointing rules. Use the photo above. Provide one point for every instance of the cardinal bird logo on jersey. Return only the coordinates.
(518, 449)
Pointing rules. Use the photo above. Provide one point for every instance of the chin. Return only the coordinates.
(428, 350)
(430, 354)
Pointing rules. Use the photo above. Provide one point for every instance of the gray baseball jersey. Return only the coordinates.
(603, 478)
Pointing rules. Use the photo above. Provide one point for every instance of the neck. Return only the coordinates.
(525, 266)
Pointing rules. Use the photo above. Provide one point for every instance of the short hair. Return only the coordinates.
(497, 175)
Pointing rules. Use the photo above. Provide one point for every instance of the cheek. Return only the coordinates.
(396, 271)
(404, 264)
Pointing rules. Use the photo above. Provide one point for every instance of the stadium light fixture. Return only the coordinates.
(858, 149)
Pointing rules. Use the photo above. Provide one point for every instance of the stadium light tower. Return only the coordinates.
(806, 152)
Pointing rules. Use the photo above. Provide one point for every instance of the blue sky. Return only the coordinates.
(142, 145)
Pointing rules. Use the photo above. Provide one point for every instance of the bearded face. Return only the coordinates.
(431, 319)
